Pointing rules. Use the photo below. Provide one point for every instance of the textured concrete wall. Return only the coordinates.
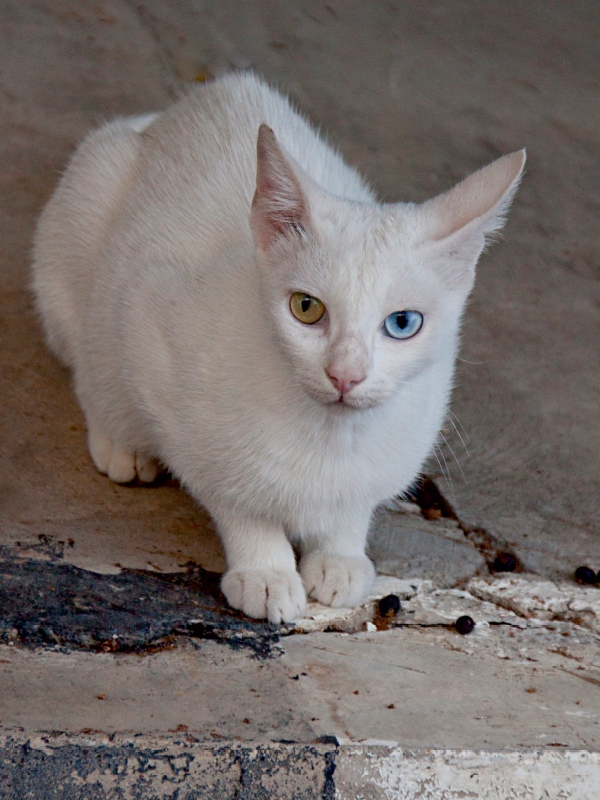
(99, 767)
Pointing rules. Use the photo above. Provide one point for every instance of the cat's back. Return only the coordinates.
(199, 156)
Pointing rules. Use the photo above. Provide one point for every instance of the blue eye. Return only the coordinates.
(403, 324)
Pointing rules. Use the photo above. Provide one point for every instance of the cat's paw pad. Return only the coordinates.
(276, 596)
(338, 581)
(121, 465)
(147, 468)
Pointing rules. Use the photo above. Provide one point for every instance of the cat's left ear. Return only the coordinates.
(279, 207)
(459, 222)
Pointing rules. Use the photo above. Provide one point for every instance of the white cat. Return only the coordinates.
(261, 325)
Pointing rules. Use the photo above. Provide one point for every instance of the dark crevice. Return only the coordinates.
(329, 792)
(508, 624)
(427, 495)
(446, 626)
(451, 625)
(430, 500)
(422, 624)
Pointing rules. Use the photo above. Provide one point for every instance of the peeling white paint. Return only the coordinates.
(453, 774)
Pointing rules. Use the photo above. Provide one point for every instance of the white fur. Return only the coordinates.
(169, 299)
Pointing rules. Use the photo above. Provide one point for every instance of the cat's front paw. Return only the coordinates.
(338, 581)
(276, 595)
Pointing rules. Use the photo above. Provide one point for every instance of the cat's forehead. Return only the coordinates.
(377, 230)
(371, 249)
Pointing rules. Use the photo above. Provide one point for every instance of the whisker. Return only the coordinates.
(451, 421)
(459, 422)
(452, 492)
(439, 463)
(475, 363)
(445, 473)
(454, 456)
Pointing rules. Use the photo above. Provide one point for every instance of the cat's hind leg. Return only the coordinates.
(147, 468)
(121, 464)
(262, 580)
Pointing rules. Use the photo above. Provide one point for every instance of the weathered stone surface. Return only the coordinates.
(408, 546)
(534, 598)
(430, 606)
(503, 685)
(201, 687)
(45, 602)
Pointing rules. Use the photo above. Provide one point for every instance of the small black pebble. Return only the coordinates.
(389, 605)
(464, 625)
(504, 562)
(585, 575)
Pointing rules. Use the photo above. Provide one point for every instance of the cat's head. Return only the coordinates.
(364, 297)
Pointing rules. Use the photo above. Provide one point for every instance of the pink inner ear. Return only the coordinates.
(485, 193)
(271, 220)
(279, 203)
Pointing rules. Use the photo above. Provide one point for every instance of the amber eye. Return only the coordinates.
(305, 308)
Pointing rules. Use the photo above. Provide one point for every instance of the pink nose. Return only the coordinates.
(343, 382)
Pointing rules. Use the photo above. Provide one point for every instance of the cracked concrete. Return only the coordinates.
(417, 95)
(543, 600)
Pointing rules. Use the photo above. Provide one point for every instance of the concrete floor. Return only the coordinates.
(417, 95)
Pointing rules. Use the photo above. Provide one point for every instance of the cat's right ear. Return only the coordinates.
(279, 207)
(459, 223)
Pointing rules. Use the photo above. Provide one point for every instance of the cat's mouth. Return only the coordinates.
(349, 402)
(344, 402)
